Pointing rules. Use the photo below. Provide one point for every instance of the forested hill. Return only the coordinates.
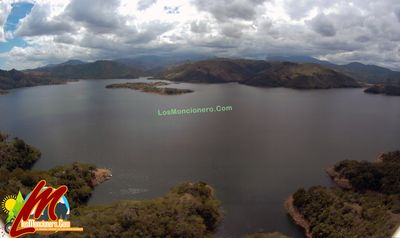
(366, 73)
(259, 73)
(18, 79)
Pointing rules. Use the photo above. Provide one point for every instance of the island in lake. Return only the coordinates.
(366, 202)
(391, 90)
(155, 87)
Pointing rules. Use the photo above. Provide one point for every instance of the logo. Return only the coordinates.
(45, 209)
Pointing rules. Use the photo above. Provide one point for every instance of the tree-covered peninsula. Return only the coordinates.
(366, 202)
(188, 210)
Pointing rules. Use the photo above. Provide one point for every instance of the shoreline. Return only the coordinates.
(344, 183)
(297, 217)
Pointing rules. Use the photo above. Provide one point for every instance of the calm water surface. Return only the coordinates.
(273, 142)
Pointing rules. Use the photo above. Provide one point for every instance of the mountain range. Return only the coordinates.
(274, 71)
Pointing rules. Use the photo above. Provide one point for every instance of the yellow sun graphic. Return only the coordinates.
(8, 203)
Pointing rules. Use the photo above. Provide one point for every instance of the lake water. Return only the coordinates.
(272, 143)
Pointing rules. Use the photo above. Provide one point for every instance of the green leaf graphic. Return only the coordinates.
(19, 203)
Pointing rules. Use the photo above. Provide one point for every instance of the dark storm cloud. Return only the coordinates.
(199, 27)
(229, 9)
(322, 25)
(397, 13)
(97, 15)
(37, 23)
(124, 39)
(66, 39)
(144, 4)
(232, 30)
(363, 39)
(215, 43)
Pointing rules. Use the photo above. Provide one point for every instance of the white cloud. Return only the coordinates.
(5, 9)
(339, 30)
(40, 22)
(322, 25)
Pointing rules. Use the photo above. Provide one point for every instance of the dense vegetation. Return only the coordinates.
(333, 212)
(188, 210)
(260, 73)
(372, 209)
(382, 176)
(17, 158)
(16, 153)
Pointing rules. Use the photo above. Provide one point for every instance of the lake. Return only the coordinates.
(274, 141)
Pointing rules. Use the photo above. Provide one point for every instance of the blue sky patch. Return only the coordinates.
(18, 11)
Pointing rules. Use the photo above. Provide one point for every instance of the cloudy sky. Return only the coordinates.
(38, 32)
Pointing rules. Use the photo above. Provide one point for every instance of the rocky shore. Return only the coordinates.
(342, 182)
(100, 176)
(297, 217)
(336, 177)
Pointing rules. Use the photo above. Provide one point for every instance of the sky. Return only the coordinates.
(38, 32)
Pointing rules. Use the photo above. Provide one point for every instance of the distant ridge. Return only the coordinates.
(260, 73)
(297, 59)
(73, 62)
(360, 72)
(102, 69)
(157, 63)
(69, 62)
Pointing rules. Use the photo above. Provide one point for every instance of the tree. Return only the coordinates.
(19, 203)
(17, 207)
